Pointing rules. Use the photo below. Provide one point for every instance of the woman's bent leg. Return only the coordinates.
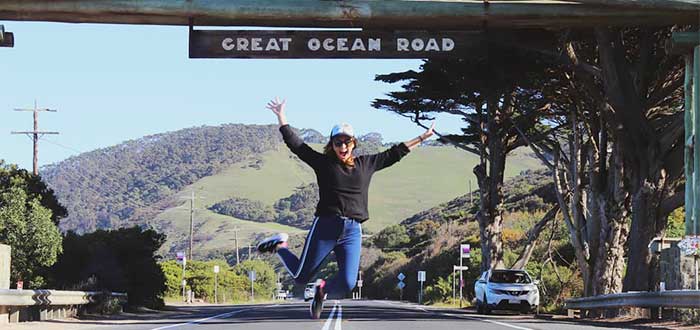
(347, 253)
(320, 241)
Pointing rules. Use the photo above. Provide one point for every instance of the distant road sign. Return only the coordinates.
(401, 285)
(421, 276)
(359, 283)
(251, 275)
(465, 250)
(401, 276)
(216, 269)
(462, 268)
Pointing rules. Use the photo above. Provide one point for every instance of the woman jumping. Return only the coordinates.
(343, 182)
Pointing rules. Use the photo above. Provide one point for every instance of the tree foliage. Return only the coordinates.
(298, 209)
(122, 260)
(498, 98)
(28, 215)
(245, 209)
(391, 237)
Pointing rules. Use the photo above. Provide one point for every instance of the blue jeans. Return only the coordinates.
(339, 234)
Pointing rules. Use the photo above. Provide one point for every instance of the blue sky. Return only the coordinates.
(112, 83)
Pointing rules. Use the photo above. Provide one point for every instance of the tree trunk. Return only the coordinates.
(490, 215)
(611, 210)
(645, 204)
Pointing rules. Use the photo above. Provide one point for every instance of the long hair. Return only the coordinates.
(328, 151)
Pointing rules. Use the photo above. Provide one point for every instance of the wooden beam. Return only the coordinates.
(647, 4)
(385, 14)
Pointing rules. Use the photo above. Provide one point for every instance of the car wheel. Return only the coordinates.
(479, 307)
(486, 308)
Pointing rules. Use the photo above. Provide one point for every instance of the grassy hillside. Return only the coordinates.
(425, 178)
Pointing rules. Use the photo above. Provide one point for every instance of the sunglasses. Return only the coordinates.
(339, 142)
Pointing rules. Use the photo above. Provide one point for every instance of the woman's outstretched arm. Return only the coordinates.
(295, 144)
(394, 154)
(411, 144)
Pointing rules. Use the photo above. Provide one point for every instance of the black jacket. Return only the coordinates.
(342, 189)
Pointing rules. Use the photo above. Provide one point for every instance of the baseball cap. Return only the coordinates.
(342, 129)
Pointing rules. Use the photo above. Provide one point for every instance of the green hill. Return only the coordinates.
(150, 182)
(412, 185)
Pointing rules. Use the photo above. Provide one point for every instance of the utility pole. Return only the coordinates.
(360, 288)
(191, 225)
(471, 196)
(35, 135)
(235, 239)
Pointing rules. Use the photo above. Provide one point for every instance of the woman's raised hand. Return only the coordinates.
(276, 106)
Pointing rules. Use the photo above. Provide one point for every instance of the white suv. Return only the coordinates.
(309, 291)
(506, 289)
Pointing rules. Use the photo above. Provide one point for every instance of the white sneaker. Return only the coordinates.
(269, 244)
(316, 306)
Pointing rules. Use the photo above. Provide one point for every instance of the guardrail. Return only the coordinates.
(675, 299)
(30, 305)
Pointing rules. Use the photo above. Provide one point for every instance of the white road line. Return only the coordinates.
(200, 320)
(339, 320)
(466, 317)
(209, 318)
(489, 321)
(327, 325)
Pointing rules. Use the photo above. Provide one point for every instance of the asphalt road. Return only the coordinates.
(337, 315)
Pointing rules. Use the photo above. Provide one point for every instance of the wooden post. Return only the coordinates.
(688, 154)
(696, 147)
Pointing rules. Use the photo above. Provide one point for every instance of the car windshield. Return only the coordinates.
(509, 276)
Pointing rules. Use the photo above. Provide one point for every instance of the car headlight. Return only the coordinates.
(498, 291)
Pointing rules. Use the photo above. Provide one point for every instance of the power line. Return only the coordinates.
(63, 146)
(35, 135)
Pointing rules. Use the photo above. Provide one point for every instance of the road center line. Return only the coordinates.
(339, 320)
(327, 325)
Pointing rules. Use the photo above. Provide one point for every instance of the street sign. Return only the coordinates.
(180, 256)
(401, 276)
(462, 268)
(401, 285)
(251, 275)
(465, 250)
(690, 246)
(421, 276)
(329, 44)
(359, 283)
(216, 269)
